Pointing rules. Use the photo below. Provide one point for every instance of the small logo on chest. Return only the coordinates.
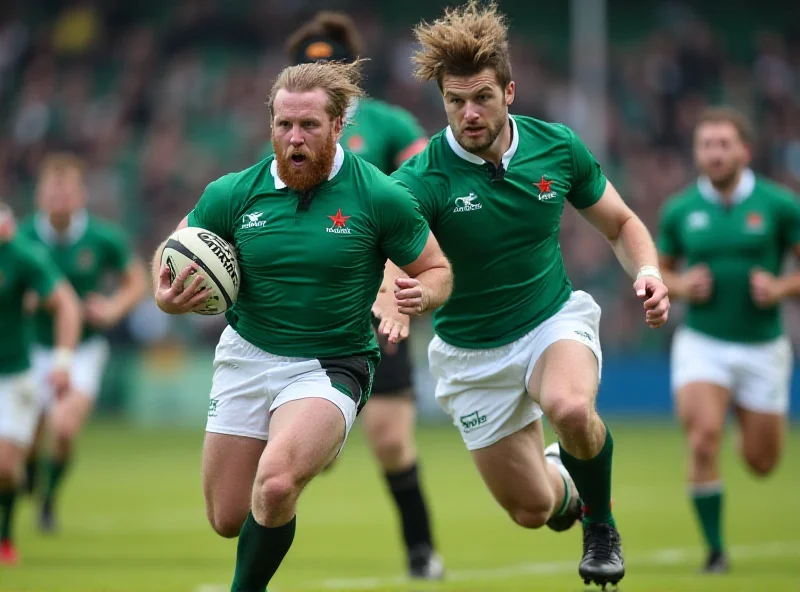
(339, 223)
(253, 220)
(697, 220)
(754, 222)
(85, 259)
(545, 191)
(467, 203)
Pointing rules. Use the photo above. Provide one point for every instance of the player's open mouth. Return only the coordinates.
(298, 159)
(474, 131)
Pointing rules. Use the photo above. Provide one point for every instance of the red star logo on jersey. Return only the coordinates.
(754, 221)
(338, 220)
(543, 185)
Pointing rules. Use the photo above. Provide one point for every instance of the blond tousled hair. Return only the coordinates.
(339, 80)
(465, 41)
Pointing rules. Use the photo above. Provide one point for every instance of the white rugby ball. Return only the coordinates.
(215, 259)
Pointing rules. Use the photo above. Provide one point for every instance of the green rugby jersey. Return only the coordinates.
(755, 231)
(24, 266)
(378, 133)
(501, 236)
(309, 276)
(89, 250)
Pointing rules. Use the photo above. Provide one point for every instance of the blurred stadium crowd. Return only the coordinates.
(161, 98)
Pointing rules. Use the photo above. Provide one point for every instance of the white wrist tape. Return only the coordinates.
(62, 358)
(650, 270)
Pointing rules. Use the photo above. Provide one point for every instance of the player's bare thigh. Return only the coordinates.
(389, 427)
(69, 414)
(515, 471)
(761, 438)
(564, 382)
(229, 470)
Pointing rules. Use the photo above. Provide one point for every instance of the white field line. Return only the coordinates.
(675, 556)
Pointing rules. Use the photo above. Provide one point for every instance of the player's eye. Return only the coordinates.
(309, 124)
(482, 98)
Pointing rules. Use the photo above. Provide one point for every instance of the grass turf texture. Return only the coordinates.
(132, 519)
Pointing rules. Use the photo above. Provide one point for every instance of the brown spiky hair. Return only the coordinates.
(336, 26)
(726, 114)
(465, 41)
(339, 80)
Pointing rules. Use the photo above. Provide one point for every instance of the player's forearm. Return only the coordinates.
(390, 273)
(132, 288)
(634, 247)
(789, 285)
(437, 284)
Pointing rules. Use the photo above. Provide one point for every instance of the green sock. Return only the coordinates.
(593, 479)
(31, 473)
(259, 553)
(6, 512)
(707, 500)
(56, 471)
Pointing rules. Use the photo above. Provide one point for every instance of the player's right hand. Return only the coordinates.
(697, 283)
(59, 380)
(175, 298)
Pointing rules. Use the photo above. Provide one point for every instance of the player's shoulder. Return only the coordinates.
(549, 131)
(685, 198)
(369, 105)
(364, 174)
(23, 248)
(774, 190)
(432, 161)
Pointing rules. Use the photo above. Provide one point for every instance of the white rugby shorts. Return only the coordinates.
(485, 390)
(757, 374)
(249, 384)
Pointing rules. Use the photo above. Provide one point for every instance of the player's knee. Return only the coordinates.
(8, 472)
(274, 492)
(705, 443)
(390, 449)
(569, 411)
(226, 525)
(532, 516)
(761, 464)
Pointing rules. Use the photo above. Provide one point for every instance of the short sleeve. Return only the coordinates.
(119, 249)
(214, 210)
(421, 193)
(43, 274)
(401, 227)
(588, 180)
(404, 131)
(668, 241)
(790, 222)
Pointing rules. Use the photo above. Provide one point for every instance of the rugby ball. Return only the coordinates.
(215, 259)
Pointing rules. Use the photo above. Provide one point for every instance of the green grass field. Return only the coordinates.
(133, 520)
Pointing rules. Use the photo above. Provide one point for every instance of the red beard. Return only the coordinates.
(317, 166)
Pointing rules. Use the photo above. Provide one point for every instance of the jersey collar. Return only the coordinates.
(338, 159)
(469, 157)
(747, 183)
(75, 230)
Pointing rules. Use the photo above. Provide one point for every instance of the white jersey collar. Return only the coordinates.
(76, 229)
(747, 183)
(474, 159)
(338, 159)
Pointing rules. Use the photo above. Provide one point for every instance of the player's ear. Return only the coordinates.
(509, 92)
(338, 126)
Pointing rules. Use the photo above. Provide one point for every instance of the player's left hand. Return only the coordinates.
(765, 288)
(100, 311)
(656, 301)
(59, 380)
(394, 325)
